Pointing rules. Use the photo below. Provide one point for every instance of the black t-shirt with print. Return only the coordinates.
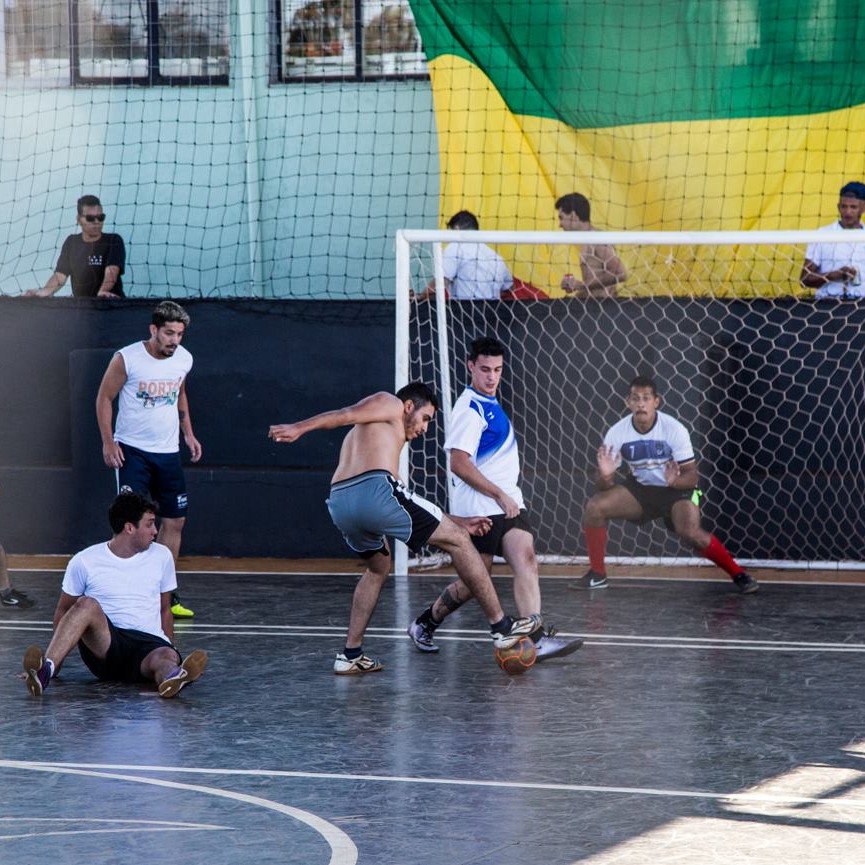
(86, 263)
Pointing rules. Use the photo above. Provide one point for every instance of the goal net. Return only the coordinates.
(769, 381)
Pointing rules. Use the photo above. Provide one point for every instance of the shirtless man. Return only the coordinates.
(368, 502)
(601, 269)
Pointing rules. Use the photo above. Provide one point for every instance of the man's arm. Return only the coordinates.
(609, 460)
(165, 615)
(109, 280)
(186, 424)
(430, 289)
(463, 467)
(380, 407)
(55, 282)
(112, 381)
(682, 476)
(64, 604)
(812, 278)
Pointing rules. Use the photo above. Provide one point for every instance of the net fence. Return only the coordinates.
(771, 389)
(272, 148)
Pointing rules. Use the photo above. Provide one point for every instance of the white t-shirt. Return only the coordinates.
(647, 453)
(480, 427)
(833, 256)
(475, 271)
(147, 415)
(128, 590)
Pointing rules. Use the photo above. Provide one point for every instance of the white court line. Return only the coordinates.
(96, 770)
(644, 641)
(342, 848)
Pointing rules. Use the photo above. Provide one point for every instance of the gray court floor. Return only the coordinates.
(696, 726)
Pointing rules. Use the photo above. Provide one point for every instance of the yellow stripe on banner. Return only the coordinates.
(740, 174)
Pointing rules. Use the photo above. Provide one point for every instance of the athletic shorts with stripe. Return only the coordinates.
(373, 506)
(657, 502)
(491, 543)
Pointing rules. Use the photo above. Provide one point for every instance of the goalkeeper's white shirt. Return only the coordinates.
(480, 427)
(646, 453)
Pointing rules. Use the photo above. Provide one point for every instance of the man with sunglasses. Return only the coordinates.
(95, 260)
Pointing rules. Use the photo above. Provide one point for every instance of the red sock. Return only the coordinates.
(716, 552)
(596, 541)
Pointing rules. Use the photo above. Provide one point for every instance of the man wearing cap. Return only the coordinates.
(836, 269)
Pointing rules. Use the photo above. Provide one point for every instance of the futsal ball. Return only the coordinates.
(518, 658)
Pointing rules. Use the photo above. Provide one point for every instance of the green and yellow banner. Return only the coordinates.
(666, 114)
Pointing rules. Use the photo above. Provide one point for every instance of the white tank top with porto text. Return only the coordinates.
(147, 415)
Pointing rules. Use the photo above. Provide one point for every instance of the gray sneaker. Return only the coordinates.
(746, 583)
(591, 580)
(422, 636)
(343, 667)
(519, 628)
(550, 646)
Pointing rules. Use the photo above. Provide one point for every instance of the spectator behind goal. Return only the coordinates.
(835, 269)
(472, 271)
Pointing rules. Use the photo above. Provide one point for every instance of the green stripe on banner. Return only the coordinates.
(603, 63)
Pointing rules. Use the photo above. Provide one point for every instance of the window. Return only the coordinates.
(354, 39)
(117, 41)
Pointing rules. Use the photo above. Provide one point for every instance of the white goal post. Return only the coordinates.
(770, 383)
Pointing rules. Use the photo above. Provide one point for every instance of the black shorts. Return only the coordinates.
(657, 502)
(159, 476)
(122, 662)
(491, 543)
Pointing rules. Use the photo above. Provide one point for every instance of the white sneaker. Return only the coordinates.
(519, 628)
(343, 667)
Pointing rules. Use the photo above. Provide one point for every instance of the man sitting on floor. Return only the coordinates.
(115, 604)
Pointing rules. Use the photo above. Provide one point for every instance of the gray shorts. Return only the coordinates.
(370, 507)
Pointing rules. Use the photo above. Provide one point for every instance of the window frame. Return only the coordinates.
(154, 77)
(278, 74)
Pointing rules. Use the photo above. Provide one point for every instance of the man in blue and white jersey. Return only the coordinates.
(661, 483)
(485, 464)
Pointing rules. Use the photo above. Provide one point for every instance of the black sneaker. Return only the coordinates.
(746, 583)
(591, 580)
(14, 598)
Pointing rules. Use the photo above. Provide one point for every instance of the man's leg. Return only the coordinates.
(685, 518)
(161, 665)
(10, 597)
(611, 504)
(84, 621)
(170, 534)
(455, 541)
(352, 659)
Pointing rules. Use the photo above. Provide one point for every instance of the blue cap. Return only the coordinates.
(854, 189)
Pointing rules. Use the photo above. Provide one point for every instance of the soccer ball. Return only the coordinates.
(518, 658)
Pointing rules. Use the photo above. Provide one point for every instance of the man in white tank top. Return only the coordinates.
(149, 378)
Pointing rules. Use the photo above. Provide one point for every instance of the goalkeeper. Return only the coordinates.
(661, 484)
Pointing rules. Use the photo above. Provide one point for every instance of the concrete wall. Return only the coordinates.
(256, 363)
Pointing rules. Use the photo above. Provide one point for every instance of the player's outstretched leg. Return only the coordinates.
(190, 669)
(38, 669)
